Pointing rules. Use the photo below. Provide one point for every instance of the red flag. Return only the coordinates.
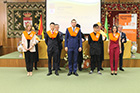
(40, 27)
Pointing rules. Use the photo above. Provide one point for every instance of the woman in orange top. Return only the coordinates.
(114, 49)
(28, 42)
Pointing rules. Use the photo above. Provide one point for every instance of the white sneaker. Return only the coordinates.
(91, 72)
(99, 73)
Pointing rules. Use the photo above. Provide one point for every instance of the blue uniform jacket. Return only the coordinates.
(73, 42)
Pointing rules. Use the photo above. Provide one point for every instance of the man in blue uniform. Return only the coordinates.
(73, 44)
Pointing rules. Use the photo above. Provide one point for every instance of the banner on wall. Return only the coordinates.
(27, 19)
(129, 23)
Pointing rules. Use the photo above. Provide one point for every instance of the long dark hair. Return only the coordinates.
(113, 27)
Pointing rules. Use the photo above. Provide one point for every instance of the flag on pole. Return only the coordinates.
(106, 26)
(40, 28)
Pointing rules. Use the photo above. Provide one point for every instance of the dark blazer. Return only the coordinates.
(52, 43)
(82, 37)
(73, 42)
(123, 36)
(95, 46)
(61, 39)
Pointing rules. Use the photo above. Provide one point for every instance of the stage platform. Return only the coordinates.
(13, 60)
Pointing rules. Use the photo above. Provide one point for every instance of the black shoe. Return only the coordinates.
(121, 69)
(115, 73)
(53, 69)
(59, 69)
(112, 73)
(76, 74)
(101, 69)
(56, 73)
(49, 74)
(36, 68)
(80, 69)
(70, 73)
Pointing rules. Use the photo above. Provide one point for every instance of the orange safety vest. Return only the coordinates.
(52, 35)
(114, 38)
(73, 33)
(29, 36)
(95, 37)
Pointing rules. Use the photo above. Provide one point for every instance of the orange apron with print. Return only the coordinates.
(29, 36)
(95, 37)
(52, 35)
(73, 33)
(114, 38)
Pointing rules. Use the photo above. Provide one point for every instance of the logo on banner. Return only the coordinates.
(27, 19)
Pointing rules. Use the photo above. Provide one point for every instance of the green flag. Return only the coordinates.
(106, 27)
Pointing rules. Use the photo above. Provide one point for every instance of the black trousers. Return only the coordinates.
(54, 53)
(121, 59)
(35, 64)
(36, 56)
(101, 60)
(59, 55)
(102, 55)
(29, 58)
(36, 53)
(95, 59)
(80, 59)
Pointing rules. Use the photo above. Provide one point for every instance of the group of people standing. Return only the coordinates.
(73, 46)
